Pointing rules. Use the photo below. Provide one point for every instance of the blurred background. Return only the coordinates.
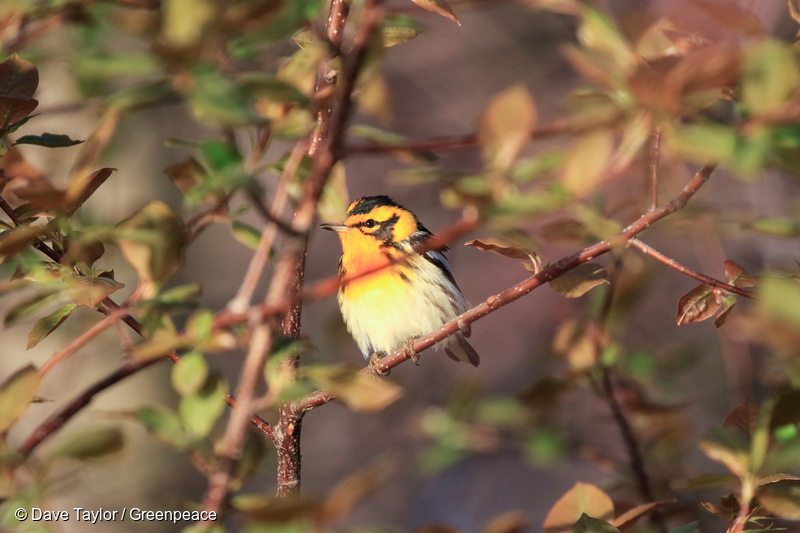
(464, 449)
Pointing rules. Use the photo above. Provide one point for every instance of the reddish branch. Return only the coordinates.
(517, 291)
(673, 264)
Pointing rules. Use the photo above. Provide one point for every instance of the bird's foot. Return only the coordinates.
(374, 364)
(411, 353)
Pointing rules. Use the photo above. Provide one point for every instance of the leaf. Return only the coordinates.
(729, 447)
(582, 498)
(508, 522)
(162, 342)
(781, 499)
(398, 30)
(28, 307)
(90, 291)
(190, 373)
(770, 76)
(48, 324)
(335, 198)
(165, 425)
(185, 21)
(440, 7)
(187, 174)
(16, 392)
(738, 276)
(691, 527)
(15, 240)
(246, 234)
(632, 515)
(580, 280)
(505, 126)
(49, 140)
(216, 99)
(704, 142)
(779, 299)
(200, 411)
(357, 390)
(531, 260)
(18, 77)
(779, 227)
(698, 304)
(92, 444)
(587, 161)
(152, 241)
(587, 524)
(357, 487)
(599, 34)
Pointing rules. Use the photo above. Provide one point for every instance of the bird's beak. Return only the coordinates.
(338, 228)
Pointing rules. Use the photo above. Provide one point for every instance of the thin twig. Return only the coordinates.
(632, 445)
(655, 160)
(673, 264)
(82, 340)
(525, 286)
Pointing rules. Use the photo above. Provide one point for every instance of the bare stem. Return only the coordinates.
(655, 160)
(673, 264)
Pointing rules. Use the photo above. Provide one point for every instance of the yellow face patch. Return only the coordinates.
(385, 222)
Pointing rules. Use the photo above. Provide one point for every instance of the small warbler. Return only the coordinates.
(389, 292)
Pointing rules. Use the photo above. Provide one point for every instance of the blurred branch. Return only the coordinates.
(517, 291)
(635, 457)
(555, 128)
(673, 264)
(655, 160)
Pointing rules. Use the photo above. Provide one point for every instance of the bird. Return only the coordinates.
(391, 289)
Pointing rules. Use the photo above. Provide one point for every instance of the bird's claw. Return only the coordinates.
(410, 352)
(374, 362)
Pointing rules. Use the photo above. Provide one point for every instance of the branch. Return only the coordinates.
(517, 291)
(655, 254)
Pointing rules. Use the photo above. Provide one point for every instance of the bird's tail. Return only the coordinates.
(461, 349)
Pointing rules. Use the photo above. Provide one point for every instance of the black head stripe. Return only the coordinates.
(386, 230)
(368, 203)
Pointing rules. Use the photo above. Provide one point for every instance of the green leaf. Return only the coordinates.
(30, 306)
(165, 425)
(580, 280)
(356, 389)
(48, 324)
(587, 524)
(581, 499)
(691, 527)
(187, 174)
(779, 299)
(779, 227)
(180, 295)
(705, 142)
(246, 234)
(190, 373)
(16, 392)
(92, 444)
(271, 89)
(49, 140)
(505, 126)
(399, 29)
(217, 99)
(200, 411)
(770, 76)
(440, 7)
(598, 33)
(220, 155)
(152, 241)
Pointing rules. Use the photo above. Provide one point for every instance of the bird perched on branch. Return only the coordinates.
(392, 288)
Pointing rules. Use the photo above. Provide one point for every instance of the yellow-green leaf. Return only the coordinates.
(92, 444)
(190, 373)
(580, 280)
(185, 21)
(48, 324)
(152, 241)
(16, 392)
(770, 76)
(587, 162)
(357, 390)
(201, 410)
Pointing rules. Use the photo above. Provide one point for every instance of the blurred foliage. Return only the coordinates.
(246, 71)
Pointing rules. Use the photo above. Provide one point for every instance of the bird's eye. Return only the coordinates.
(370, 223)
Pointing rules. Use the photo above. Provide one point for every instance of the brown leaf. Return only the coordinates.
(90, 185)
(632, 515)
(782, 499)
(440, 7)
(738, 276)
(794, 10)
(500, 246)
(15, 108)
(744, 417)
(580, 280)
(505, 126)
(509, 522)
(587, 162)
(700, 303)
(81, 174)
(356, 487)
(14, 240)
(18, 77)
(186, 175)
(152, 241)
(581, 498)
